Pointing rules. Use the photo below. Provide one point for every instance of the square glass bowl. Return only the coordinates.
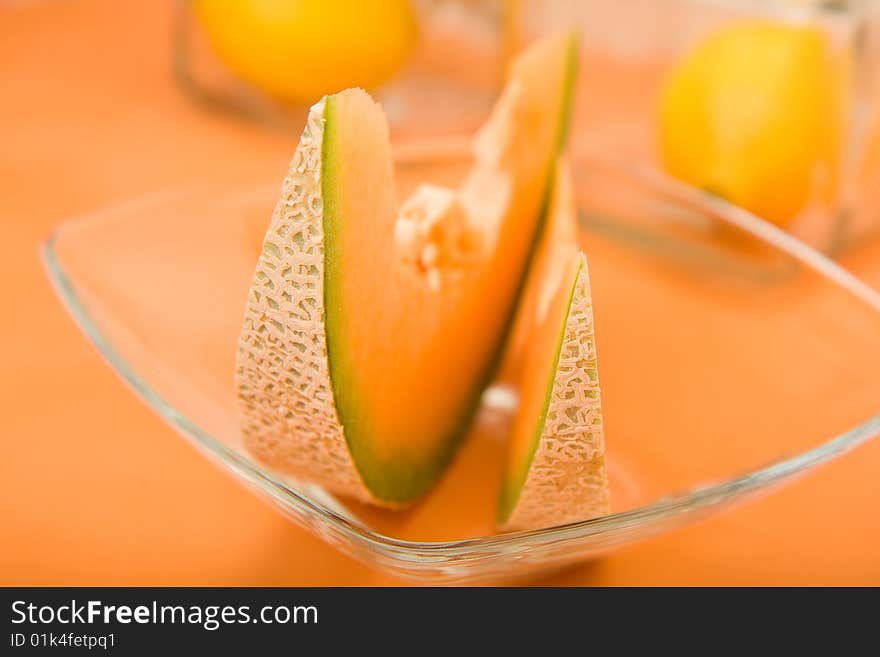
(732, 357)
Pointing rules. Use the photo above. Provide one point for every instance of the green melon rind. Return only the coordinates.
(400, 482)
(288, 414)
(513, 483)
(564, 479)
(394, 483)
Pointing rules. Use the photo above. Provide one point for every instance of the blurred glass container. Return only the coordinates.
(445, 86)
(628, 50)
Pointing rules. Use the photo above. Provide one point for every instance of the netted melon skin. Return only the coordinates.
(288, 415)
(567, 480)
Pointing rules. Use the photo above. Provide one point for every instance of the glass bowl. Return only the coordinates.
(732, 358)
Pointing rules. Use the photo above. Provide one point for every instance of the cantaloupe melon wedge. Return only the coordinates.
(555, 471)
(372, 327)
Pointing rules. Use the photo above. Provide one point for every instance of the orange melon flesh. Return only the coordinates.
(555, 470)
(410, 303)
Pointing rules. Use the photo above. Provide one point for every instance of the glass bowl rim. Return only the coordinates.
(702, 497)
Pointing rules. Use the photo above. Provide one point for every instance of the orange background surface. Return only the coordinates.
(89, 116)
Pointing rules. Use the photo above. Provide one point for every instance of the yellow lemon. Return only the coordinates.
(755, 115)
(299, 50)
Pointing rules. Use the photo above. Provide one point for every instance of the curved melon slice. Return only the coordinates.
(555, 471)
(372, 328)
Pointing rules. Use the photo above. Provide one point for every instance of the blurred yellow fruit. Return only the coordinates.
(755, 115)
(299, 50)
